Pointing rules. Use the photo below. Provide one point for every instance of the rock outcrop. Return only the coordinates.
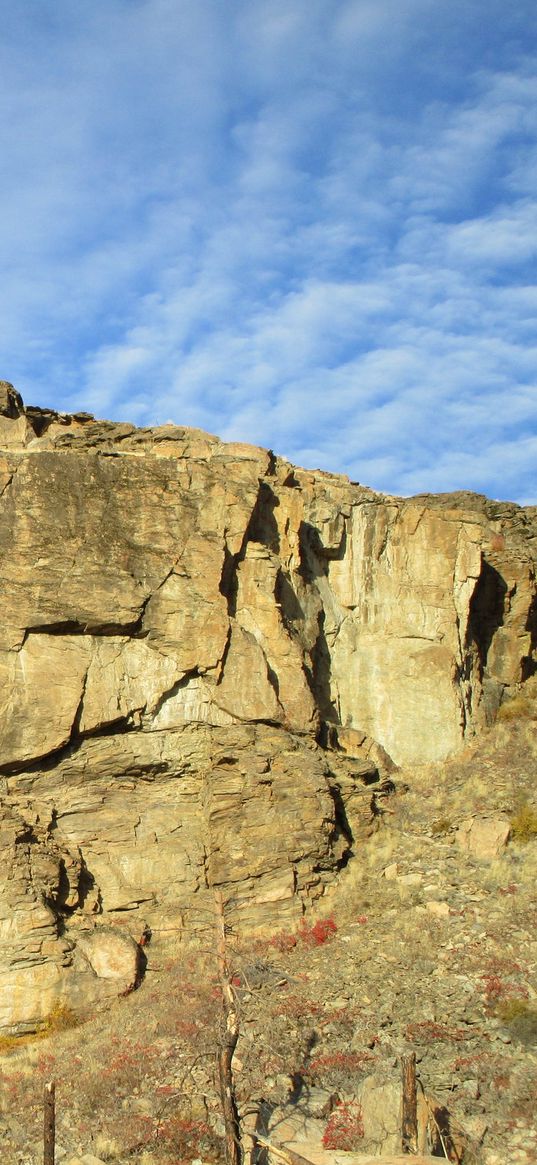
(206, 655)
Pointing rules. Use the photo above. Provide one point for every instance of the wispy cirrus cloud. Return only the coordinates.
(305, 224)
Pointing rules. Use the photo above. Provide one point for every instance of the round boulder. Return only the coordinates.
(112, 954)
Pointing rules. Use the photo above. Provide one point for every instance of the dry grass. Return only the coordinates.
(522, 705)
(519, 707)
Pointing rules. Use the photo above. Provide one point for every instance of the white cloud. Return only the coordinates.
(506, 237)
(307, 224)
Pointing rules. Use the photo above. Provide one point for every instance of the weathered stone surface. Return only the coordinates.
(484, 837)
(111, 955)
(184, 626)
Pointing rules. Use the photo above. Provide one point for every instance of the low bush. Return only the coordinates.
(311, 935)
(500, 991)
(524, 823)
(441, 827)
(429, 1030)
(319, 933)
(335, 1069)
(345, 1128)
(60, 1019)
(510, 1009)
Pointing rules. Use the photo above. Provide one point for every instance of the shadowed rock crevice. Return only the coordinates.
(287, 600)
(487, 607)
(529, 663)
(131, 629)
(320, 675)
(229, 581)
(342, 837)
(314, 555)
(262, 528)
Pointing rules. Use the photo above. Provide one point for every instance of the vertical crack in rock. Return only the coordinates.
(287, 600)
(529, 663)
(263, 528)
(228, 580)
(487, 607)
(75, 730)
(342, 836)
(225, 653)
(320, 675)
(314, 560)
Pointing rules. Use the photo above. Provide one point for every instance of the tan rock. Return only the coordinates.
(255, 699)
(111, 954)
(439, 909)
(483, 837)
(380, 1102)
(258, 614)
(412, 879)
(40, 692)
(182, 622)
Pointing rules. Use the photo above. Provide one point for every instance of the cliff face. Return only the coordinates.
(184, 624)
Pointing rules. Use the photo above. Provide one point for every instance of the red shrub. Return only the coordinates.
(319, 933)
(283, 942)
(345, 1128)
(342, 1061)
(423, 1033)
(297, 1008)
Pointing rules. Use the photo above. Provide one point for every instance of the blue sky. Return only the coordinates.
(309, 224)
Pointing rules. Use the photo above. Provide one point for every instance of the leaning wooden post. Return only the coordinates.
(410, 1105)
(229, 1042)
(49, 1123)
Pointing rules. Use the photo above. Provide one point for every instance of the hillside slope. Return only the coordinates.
(426, 943)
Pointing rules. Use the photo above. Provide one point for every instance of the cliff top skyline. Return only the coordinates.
(306, 225)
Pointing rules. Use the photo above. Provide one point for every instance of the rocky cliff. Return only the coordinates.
(207, 657)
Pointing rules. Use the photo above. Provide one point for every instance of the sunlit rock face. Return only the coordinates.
(185, 624)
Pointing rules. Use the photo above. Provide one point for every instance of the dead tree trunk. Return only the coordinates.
(49, 1123)
(410, 1104)
(229, 1042)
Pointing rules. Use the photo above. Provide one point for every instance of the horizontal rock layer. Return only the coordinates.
(185, 625)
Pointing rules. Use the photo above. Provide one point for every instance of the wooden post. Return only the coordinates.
(228, 1043)
(49, 1123)
(410, 1105)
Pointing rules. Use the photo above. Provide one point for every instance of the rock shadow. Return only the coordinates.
(487, 609)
